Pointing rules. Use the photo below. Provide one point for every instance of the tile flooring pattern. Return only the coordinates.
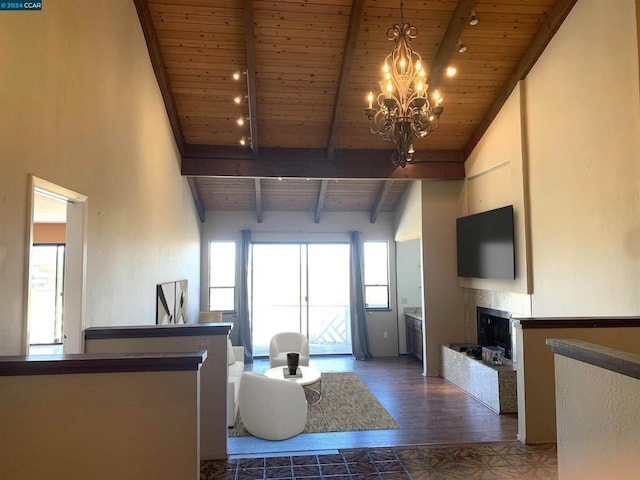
(500, 460)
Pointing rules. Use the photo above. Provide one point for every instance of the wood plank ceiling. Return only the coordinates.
(306, 68)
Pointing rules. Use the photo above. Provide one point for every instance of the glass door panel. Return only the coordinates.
(276, 292)
(328, 298)
(47, 268)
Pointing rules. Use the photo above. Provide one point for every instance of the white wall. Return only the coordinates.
(495, 177)
(81, 108)
(583, 124)
(299, 227)
(443, 302)
(573, 125)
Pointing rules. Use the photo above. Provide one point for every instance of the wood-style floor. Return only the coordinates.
(429, 410)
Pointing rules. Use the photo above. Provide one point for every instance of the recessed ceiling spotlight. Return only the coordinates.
(473, 20)
(236, 75)
(451, 71)
(238, 99)
(240, 121)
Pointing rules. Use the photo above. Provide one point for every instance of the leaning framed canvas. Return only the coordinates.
(171, 303)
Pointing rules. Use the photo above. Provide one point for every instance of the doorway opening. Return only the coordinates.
(56, 265)
(301, 287)
(47, 279)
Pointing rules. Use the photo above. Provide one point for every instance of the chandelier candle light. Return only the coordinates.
(403, 112)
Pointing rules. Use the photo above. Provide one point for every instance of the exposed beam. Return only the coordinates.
(153, 47)
(448, 45)
(197, 199)
(321, 195)
(146, 22)
(382, 196)
(251, 76)
(638, 27)
(258, 201)
(543, 36)
(312, 163)
(347, 61)
(291, 153)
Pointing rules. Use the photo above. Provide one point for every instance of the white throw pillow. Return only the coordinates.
(231, 358)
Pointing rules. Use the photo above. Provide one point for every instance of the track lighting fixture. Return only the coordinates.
(473, 20)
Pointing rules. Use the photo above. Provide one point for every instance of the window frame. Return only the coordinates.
(233, 287)
(387, 285)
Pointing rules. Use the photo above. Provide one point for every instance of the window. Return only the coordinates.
(376, 275)
(222, 276)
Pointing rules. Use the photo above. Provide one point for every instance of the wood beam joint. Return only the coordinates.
(448, 45)
(321, 195)
(153, 47)
(380, 199)
(197, 198)
(347, 61)
(258, 200)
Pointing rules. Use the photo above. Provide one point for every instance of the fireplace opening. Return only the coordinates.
(494, 329)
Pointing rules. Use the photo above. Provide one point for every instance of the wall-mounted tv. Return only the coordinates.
(485, 244)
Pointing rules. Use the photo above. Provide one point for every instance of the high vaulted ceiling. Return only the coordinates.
(307, 67)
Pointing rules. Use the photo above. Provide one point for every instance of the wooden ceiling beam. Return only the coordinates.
(251, 77)
(448, 45)
(197, 198)
(292, 153)
(150, 37)
(157, 63)
(321, 195)
(380, 198)
(312, 163)
(258, 201)
(545, 33)
(347, 61)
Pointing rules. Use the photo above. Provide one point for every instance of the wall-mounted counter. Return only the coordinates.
(211, 337)
(100, 416)
(536, 379)
(597, 392)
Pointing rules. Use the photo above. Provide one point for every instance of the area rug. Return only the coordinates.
(347, 405)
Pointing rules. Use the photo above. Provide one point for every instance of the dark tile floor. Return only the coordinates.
(498, 460)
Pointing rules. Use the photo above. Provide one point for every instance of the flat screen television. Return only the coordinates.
(485, 244)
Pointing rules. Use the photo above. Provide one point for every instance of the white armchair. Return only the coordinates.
(285, 342)
(270, 408)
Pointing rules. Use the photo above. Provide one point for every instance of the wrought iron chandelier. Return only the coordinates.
(403, 111)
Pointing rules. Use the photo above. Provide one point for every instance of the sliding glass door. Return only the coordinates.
(301, 287)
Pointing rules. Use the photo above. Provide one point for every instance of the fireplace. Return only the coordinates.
(494, 329)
